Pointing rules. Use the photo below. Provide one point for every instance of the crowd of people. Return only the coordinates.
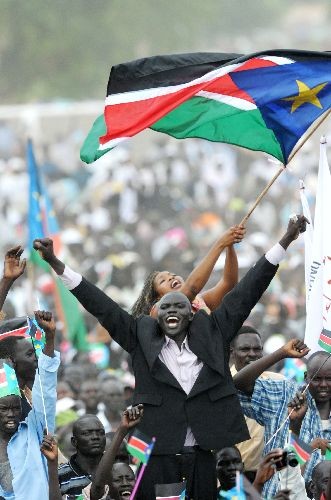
(182, 345)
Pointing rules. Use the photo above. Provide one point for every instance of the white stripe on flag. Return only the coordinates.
(141, 95)
(319, 281)
(236, 102)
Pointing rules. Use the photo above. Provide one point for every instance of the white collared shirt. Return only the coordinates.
(185, 367)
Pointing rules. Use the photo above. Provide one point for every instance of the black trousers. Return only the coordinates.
(198, 469)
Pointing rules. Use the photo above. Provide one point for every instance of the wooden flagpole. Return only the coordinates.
(261, 195)
(295, 150)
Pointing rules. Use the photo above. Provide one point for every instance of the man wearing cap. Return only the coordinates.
(23, 470)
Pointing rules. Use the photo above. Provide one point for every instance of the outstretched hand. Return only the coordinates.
(14, 267)
(49, 447)
(132, 416)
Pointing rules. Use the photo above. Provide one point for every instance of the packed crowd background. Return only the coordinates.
(155, 203)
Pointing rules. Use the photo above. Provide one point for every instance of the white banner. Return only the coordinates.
(318, 257)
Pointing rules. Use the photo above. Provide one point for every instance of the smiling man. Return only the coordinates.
(181, 367)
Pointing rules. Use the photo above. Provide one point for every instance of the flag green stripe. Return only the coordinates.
(324, 346)
(209, 119)
(135, 452)
(90, 150)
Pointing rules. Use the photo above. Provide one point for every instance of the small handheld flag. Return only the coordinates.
(325, 340)
(172, 491)
(8, 382)
(37, 335)
(300, 448)
(140, 446)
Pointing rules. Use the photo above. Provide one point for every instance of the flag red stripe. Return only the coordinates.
(20, 332)
(303, 453)
(3, 377)
(138, 443)
(255, 63)
(225, 85)
(129, 118)
(326, 340)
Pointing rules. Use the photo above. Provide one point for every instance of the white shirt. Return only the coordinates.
(185, 367)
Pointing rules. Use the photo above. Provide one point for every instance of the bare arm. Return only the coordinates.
(13, 268)
(49, 449)
(130, 419)
(214, 296)
(201, 273)
(245, 379)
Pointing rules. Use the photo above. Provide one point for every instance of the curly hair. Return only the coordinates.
(147, 297)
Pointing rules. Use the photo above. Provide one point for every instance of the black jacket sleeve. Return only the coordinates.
(120, 325)
(237, 304)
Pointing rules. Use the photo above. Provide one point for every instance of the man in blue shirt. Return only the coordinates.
(23, 470)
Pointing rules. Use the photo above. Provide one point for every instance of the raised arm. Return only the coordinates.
(238, 303)
(13, 268)
(44, 386)
(214, 296)
(49, 449)
(130, 418)
(244, 380)
(120, 324)
(201, 273)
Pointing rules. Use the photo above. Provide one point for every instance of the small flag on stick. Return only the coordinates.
(325, 340)
(8, 382)
(140, 446)
(301, 449)
(172, 491)
(37, 335)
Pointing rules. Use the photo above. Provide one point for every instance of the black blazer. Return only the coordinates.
(212, 408)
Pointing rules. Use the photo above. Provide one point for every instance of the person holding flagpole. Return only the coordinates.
(181, 367)
(23, 471)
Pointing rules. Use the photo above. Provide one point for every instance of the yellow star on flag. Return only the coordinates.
(306, 95)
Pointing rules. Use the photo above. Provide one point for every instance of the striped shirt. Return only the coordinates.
(72, 479)
(268, 406)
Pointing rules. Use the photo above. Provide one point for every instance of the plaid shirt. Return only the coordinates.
(268, 406)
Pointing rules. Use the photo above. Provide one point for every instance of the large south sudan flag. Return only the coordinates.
(265, 101)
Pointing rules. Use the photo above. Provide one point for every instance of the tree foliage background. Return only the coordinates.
(52, 49)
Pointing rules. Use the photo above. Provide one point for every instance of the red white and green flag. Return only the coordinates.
(301, 449)
(265, 101)
(140, 446)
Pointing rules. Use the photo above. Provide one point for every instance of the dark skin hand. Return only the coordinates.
(47, 323)
(294, 228)
(267, 468)
(45, 248)
(13, 268)
(282, 495)
(49, 449)
(297, 409)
